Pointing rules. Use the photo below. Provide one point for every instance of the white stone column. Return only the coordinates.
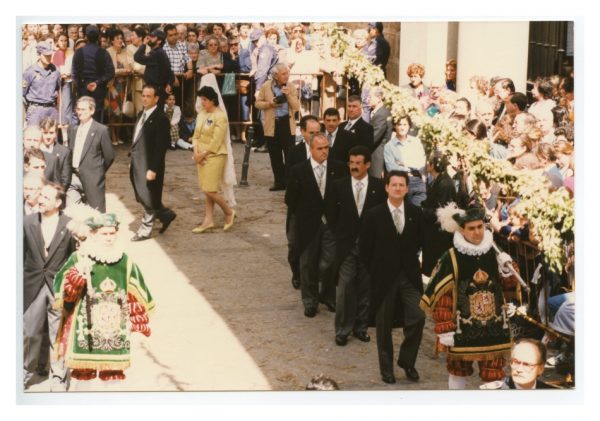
(425, 43)
(492, 49)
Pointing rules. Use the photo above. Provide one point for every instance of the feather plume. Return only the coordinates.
(78, 214)
(445, 217)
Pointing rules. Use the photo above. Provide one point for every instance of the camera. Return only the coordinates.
(280, 99)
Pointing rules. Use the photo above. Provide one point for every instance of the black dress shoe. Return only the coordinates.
(295, 283)
(362, 336)
(139, 238)
(411, 373)
(330, 306)
(388, 378)
(166, 223)
(341, 340)
(277, 187)
(310, 311)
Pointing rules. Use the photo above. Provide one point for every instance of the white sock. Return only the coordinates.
(183, 144)
(456, 382)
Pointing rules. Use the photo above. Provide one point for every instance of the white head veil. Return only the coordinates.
(229, 178)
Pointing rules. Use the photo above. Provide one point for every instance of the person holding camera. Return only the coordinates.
(278, 100)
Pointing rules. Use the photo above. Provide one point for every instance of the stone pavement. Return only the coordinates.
(227, 318)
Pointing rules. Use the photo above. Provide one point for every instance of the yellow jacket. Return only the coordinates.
(210, 132)
(263, 102)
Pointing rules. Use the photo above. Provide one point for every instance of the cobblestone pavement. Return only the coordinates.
(227, 317)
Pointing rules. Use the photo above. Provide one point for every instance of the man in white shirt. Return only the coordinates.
(352, 196)
(93, 154)
(307, 196)
(47, 246)
(390, 241)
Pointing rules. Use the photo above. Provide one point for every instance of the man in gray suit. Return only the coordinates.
(46, 245)
(58, 157)
(147, 170)
(381, 120)
(93, 155)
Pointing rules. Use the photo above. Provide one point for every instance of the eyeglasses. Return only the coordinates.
(526, 366)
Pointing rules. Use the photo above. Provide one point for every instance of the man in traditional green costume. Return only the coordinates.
(465, 298)
(104, 298)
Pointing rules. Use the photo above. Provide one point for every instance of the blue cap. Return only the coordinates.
(44, 48)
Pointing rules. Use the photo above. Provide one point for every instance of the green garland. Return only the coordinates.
(550, 214)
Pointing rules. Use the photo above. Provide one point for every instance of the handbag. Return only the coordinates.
(128, 108)
(229, 85)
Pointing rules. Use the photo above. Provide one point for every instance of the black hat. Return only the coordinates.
(158, 34)
(470, 215)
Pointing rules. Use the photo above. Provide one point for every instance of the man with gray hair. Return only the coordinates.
(307, 197)
(32, 138)
(92, 154)
(278, 100)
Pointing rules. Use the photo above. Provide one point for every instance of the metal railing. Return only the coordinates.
(186, 94)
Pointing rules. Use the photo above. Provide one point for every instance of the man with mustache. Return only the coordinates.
(352, 196)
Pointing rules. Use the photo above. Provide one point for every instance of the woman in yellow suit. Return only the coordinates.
(212, 154)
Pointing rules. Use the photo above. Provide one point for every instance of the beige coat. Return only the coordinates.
(264, 102)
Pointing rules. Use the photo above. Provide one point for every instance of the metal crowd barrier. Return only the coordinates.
(186, 95)
(529, 260)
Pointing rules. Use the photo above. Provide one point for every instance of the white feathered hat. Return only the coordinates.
(446, 219)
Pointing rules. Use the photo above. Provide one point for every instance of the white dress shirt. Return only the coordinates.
(363, 192)
(82, 132)
(401, 217)
(332, 135)
(144, 118)
(350, 124)
(49, 224)
(323, 179)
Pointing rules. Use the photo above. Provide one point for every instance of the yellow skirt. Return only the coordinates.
(211, 173)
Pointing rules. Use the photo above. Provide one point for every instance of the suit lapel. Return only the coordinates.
(310, 173)
(370, 194)
(38, 238)
(88, 140)
(58, 236)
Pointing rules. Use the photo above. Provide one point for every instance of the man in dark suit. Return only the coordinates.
(46, 245)
(351, 197)
(158, 71)
(92, 70)
(355, 123)
(340, 140)
(381, 120)
(390, 241)
(309, 126)
(306, 197)
(58, 157)
(147, 170)
(93, 155)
